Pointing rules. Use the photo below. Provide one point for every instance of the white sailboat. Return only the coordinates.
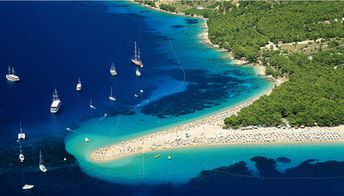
(41, 163)
(78, 85)
(21, 135)
(21, 156)
(55, 105)
(138, 73)
(91, 105)
(112, 98)
(27, 186)
(137, 57)
(113, 71)
(11, 76)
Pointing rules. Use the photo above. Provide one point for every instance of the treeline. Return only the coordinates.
(245, 28)
(200, 12)
(314, 94)
(150, 3)
(167, 7)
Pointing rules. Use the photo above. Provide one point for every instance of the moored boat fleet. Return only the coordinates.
(56, 103)
(41, 166)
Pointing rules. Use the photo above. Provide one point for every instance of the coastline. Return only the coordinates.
(204, 37)
(214, 122)
(208, 131)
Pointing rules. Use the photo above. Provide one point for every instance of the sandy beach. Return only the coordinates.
(208, 131)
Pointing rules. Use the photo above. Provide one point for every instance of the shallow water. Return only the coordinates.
(51, 44)
(197, 81)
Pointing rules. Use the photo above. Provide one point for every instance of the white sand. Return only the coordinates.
(208, 131)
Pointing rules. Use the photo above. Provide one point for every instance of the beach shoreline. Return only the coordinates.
(204, 38)
(207, 119)
(217, 117)
(208, 131)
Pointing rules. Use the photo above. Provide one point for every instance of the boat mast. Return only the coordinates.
(135, 54)
(111, 91)
(55, 96)
(40, 157)
(20, 148)
(139, 56)
(20, 125)
(9, 70)
(13, 71)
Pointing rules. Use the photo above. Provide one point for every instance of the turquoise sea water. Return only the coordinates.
(184, 46)
(187, 163)
(51, 44)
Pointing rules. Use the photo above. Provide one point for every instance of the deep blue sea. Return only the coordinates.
(52, 44)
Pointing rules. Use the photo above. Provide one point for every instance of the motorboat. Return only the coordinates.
(21, 135)
(78, 86)
(56, 104)
(27, 186)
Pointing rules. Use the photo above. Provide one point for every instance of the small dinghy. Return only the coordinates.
(27, 186)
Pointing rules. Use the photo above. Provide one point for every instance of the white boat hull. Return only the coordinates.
(43, 168)
(113, 72)
(112, 98)
(21, 136)
(55, 106)
(138, 73)
(78, 87)
(21, 157)
(12, 78)
(27, 186)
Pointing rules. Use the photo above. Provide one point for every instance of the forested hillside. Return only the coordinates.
(246, 28)
(314, 94)
(302, 41)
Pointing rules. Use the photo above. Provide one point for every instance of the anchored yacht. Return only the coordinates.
(55, 105)
(138, 73)
(78, 86)
(27, 186)
(11, 76)
(21, 135)
(113, 71)
(41, 163)
(21, 156)
(112, 98)
(91, 105)
(137, 57)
